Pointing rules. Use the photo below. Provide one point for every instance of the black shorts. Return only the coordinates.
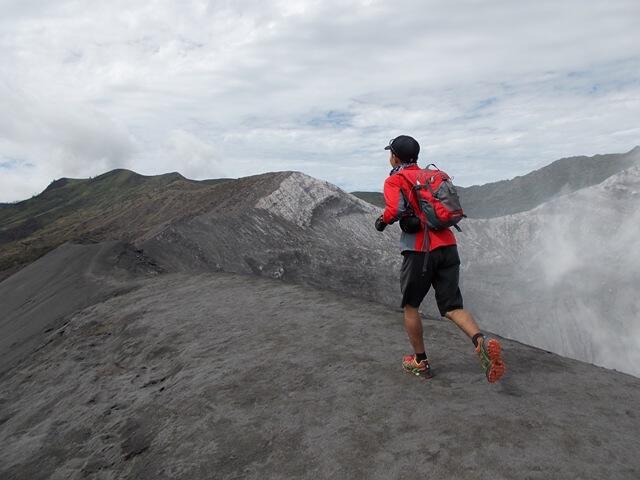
(442, 271)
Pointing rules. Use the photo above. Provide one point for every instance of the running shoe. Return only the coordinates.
(421, 369)
(489, 353)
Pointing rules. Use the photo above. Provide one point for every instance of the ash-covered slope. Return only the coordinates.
(564, 276)
(224, 376)
(43, 295)
(526, 192)
(285, 225)
(560, 277)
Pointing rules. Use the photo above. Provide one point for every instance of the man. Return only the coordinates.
(430, 258)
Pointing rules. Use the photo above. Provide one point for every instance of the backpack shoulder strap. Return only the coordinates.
(413, 188)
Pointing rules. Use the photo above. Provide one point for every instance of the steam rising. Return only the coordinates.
(564, 276)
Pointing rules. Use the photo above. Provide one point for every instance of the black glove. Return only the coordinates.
(380, 225)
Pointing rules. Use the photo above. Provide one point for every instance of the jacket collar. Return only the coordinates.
(403, 166)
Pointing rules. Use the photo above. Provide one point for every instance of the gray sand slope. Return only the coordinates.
(289, 226)
(224, 376)
(40, 297)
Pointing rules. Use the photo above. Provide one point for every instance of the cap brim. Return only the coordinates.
(388, 147)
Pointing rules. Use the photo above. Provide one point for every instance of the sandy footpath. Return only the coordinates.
(227, 376)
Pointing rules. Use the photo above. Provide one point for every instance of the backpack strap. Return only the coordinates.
(424, 186)
(426, 258)
(411, 190)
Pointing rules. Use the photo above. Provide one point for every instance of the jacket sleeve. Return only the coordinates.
(395, 203)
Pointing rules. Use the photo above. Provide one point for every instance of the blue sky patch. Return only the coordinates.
(332, 118)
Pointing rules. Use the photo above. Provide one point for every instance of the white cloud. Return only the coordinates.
(491, 89)
(191, 156)
(41, 137)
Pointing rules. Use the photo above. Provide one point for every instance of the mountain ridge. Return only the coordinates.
(524, 192)
(289, 226)
(103, 207)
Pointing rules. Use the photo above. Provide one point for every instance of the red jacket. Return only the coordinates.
(400, 200)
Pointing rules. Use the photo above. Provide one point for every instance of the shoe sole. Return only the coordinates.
(496, 368)
(418, 373)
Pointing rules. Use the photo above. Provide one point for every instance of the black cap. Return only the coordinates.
(404, 147)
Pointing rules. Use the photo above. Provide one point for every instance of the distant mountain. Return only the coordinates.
(119, 204)
(374, 198)
(282, 225)
(528, 191)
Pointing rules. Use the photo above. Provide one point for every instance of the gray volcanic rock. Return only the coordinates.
(40, 298)
(226, 376)
(290, 226)
(564, 276)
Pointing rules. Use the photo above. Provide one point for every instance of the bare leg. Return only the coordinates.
(489, 356)
(413, 326)
(463, 320)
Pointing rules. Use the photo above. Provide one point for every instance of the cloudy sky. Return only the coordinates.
(490, 88)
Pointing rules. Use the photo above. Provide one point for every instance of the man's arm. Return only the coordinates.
(395, 205)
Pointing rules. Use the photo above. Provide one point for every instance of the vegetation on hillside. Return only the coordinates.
(119, 204)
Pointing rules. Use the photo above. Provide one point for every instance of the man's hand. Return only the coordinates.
(380, 225)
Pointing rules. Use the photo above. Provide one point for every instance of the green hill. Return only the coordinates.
(374, 198)
(119, 204)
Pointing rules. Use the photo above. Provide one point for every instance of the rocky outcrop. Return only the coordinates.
(289, 226)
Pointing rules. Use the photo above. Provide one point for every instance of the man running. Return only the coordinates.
(431, 260)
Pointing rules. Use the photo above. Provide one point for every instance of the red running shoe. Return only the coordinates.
(421, 369)
(489, 353)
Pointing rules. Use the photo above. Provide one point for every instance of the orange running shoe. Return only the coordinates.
(489, 353)
(421, 369)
